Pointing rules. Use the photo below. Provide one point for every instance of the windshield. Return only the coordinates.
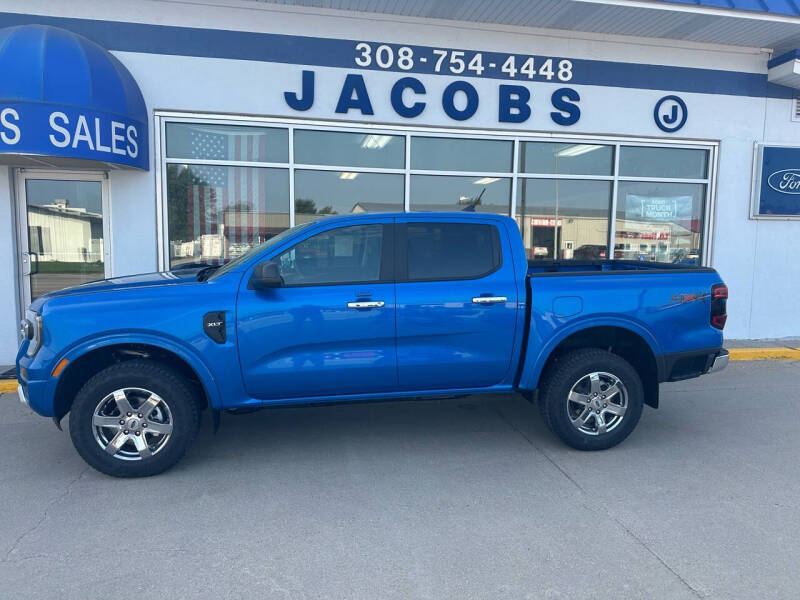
(227, 267)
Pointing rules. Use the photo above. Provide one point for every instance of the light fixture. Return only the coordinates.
(578, 149)
(373, 141)
(346, 175)
(486, 180)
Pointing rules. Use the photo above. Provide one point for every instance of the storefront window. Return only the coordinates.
(217, 213)
(660, 222)
(459, 154)
(227, 142)
(228, 187)
(349, 149)
(564, 218)
(325, 193)
(452, 193)
(566, 159)
(669, 163)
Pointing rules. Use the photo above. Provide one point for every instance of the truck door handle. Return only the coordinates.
(366, 304)
(489, 299)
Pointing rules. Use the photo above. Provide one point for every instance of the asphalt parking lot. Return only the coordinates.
(463, 498)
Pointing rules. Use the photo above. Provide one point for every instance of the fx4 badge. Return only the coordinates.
(685, 298)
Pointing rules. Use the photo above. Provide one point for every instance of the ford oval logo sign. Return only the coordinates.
(785, 181)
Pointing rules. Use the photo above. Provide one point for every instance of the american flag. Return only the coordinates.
(229, 196)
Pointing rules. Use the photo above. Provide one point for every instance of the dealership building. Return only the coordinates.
(158, 134)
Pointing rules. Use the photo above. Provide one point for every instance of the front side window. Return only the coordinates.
(337, 256)
(448, 251)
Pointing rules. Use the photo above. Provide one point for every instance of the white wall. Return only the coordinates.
(755, 258)
(8, 278)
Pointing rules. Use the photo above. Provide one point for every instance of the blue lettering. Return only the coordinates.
(563, 101)
(514, 104)
(354, 84)
(306, 98)
(398, 88)
(448, 100)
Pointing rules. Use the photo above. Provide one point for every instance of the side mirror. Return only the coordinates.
(265, 275)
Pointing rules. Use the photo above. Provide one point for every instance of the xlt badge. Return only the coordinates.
(214, 326)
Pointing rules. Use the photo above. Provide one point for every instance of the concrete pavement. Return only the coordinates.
(468, 498)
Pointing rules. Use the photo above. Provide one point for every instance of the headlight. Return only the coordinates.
(34, 323)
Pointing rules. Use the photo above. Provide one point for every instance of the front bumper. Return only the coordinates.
(720, 362)
(23, 398)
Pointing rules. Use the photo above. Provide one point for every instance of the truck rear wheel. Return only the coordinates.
(134, 419)
(592, 399)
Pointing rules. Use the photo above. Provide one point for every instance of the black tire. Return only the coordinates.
(172, 388)
(566, 372)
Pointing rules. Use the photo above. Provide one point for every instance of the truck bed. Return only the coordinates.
(539, 268)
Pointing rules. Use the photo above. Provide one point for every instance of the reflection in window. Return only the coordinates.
(660, 222)
(336, 148)
(447, 251)
(343, 255)
(566, 159)
(564, 218)
(673, 163)
(65, 233)
(217, 213)
(459, 154)
(325, 193)
(227, 142)
(452, 193)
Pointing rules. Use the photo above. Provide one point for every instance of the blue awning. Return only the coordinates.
(64, 96)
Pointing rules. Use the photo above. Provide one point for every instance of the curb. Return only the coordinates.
(9, 386)
(779, 353)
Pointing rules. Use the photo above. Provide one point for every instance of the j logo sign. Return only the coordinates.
(670, 113)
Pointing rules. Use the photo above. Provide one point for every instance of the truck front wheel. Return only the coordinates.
(134, 419)
(592, 399)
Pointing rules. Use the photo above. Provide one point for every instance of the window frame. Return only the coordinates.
(161, 117)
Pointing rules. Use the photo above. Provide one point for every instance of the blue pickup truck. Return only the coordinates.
(365, 307)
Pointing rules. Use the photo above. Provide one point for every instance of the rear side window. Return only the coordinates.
(448, 251)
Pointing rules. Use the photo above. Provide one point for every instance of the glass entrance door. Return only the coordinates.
(62, 231)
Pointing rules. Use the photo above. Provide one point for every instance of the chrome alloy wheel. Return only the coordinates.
(132, 423)
(596, 403)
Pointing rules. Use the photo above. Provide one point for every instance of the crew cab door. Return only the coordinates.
(456, 303)
(329, 328)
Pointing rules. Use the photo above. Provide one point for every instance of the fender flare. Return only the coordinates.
(181, 350)
(532, 370)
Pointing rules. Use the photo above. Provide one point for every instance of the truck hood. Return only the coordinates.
(120, 283)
